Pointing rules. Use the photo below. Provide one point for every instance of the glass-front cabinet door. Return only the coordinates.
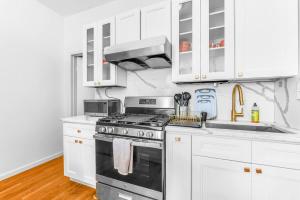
(97, 72)
(217, 39)
(186, 40)
(107, 71)
(89, 55)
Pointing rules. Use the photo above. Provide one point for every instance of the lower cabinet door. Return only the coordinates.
(178, 167)
(79, 156)
(215, 179)
(272, 183)
(88, 162)
(72, 154)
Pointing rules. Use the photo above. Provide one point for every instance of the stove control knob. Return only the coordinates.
(125, 131)
(149, 134)
(141, 133)
(103, 129)
(110, 129)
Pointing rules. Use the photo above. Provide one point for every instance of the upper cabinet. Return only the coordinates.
(212, 40)
(217, 40)
(109, 74)
(96, 71)
(266, 38)
(156, 20)
(128, 26)
(89, 55)
(203, 40)
(186, 41)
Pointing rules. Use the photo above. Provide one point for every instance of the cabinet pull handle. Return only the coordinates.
(177, 139)
(80, 142)
(259, 171)
(204, 76)
(197, 77)
(78, 131)
(247, 170)
(76, 141)
(240, 74)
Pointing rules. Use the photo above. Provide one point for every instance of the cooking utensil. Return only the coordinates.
(186, 98)
(178, 98)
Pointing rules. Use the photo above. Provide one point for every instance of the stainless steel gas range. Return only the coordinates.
(144, 123)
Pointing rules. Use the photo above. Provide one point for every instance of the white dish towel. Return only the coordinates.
(123, 156)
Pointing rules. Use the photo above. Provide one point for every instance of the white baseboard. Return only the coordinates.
(83, 183)
(29, 166)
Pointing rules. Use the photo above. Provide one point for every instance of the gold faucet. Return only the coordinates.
(235, 114)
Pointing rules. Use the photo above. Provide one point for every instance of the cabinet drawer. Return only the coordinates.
(79, 130)
(229, 149)
(106, 192)
(276, 154)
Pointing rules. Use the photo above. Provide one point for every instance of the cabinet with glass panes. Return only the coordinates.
(203, 38)
(97, 72)
(186, 40)
(217, 38)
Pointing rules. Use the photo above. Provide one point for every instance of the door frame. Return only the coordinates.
(74, 57)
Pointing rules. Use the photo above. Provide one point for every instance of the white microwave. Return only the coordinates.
(102, 108)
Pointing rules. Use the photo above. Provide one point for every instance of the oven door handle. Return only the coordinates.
(125, 197)
(135, 142)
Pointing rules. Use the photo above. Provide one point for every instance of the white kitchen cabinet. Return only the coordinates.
(128, 26)
(79, 153)
(90, 47)
(156, 20)
(203, 40)
(72, 153)
(88, 161)
(178, 167)
(96, 71)
(186, 36)
(266, 38)
(109, 74)
(217, 40)
(215, 179)
(272, 183)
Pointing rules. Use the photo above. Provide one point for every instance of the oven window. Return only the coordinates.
(95, 107)
(147, 166)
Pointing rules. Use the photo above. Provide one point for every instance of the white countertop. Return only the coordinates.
(82, 119)
(292, 137)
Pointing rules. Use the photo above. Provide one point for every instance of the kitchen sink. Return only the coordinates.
(244, 127)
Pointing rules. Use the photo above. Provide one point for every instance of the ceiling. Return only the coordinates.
(70, 7)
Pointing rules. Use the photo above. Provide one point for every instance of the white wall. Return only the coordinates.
(159, 79)
(31, 76)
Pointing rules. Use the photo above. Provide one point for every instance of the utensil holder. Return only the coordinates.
(184, 111)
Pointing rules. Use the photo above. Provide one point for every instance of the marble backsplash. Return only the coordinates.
(287, 107)
(158, 83)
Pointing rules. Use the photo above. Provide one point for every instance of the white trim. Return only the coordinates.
(29, 166)
(83, 183)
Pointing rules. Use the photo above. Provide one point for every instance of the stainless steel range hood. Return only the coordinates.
(143, 54)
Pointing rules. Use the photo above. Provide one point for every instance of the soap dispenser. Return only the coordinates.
(255, 113)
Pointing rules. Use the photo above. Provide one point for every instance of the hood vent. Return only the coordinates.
(139, 55)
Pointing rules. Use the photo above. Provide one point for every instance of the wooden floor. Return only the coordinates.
(45, 182)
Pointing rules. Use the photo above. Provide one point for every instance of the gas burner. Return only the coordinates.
(142, 118)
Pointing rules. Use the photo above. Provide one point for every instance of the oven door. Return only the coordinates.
(148, 167)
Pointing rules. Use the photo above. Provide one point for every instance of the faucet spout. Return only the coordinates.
(234, 113)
